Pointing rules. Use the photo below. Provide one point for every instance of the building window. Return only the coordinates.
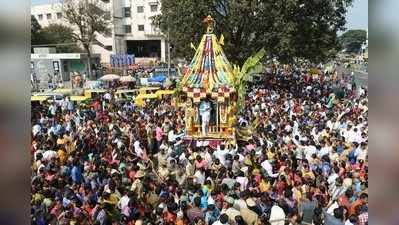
(141, 27)
(48, 16)
(40, 16)
(126, 11)
(140, 9)
(128, 29)
(154, 8)
(59, 15)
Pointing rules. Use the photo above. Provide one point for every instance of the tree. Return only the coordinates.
(36, 32)
(352, 40)
(286, 29)
(90, 19)
(60, 34)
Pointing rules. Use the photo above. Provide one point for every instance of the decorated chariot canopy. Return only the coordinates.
(209, 72)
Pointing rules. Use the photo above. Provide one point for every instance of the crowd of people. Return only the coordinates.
(110, 162)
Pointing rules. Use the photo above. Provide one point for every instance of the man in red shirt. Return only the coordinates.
(344, 200)
(362, 200)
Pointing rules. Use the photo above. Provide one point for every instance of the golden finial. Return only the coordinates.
(210, 22)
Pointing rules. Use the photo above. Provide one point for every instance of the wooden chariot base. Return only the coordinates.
(214, 133)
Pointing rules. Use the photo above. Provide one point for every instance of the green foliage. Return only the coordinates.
(34, 25)
(90, 18)
(352, 40)
(286, 29)
(179, 87)
(61, 34)
(251, 66)
(58, 35)
(35, 31)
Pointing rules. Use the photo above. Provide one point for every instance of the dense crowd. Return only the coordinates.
(110, 162)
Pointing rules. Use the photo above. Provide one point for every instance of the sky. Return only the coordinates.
(40, 2)
(357, 16)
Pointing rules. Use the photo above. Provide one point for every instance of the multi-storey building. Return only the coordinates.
(132, 29)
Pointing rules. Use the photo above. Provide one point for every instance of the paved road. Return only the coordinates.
(360, 76)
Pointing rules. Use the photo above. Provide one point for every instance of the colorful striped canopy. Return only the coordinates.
(209, 70)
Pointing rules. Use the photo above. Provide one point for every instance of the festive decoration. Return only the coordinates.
(210, 78)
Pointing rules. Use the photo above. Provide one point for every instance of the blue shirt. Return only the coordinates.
(204, 202)
(326, 168)
(358, 187)
(212, 216)
(76, 175)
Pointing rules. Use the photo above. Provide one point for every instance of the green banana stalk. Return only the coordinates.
(242, 76)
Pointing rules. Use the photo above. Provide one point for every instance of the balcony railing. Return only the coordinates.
(153, 33)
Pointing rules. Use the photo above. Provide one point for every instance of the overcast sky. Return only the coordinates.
(357, 17)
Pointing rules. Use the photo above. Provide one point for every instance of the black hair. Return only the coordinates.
(339, 213)
(224, 218)
(197, 201)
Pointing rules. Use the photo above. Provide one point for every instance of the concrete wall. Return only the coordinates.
(44, 66)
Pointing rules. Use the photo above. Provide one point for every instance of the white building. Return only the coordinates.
(132, 28)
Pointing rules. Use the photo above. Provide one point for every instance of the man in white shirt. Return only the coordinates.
(221, 153)
(137, 149)
(107, 96)
(309, 151)
(269, 168)
(49, 155)
(242, 180)
(353, 135)
(325, 149)
(205, 113)
(333, 177)
(36, 129)
(124, 201)
(223, 220)
(277, 215)
(363, 152)
(52, 109)
(199, 177)
(207, 156)
(171, 136)
(231, 212)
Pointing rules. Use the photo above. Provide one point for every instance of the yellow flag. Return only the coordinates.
(221, 40)
(192, 46)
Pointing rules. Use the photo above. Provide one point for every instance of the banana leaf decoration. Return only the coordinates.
(242, 76)
(245, 133)
(255, 123)
(178, 88)
(192, 46)
(221, 40)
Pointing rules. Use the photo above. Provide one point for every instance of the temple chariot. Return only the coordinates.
(208, 92)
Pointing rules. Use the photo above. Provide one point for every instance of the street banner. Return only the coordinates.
(122, 60)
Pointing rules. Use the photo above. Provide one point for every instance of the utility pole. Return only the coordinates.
(168, 53)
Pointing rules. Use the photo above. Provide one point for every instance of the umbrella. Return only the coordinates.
(110, 77)
(127, 79)
(159, 79)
